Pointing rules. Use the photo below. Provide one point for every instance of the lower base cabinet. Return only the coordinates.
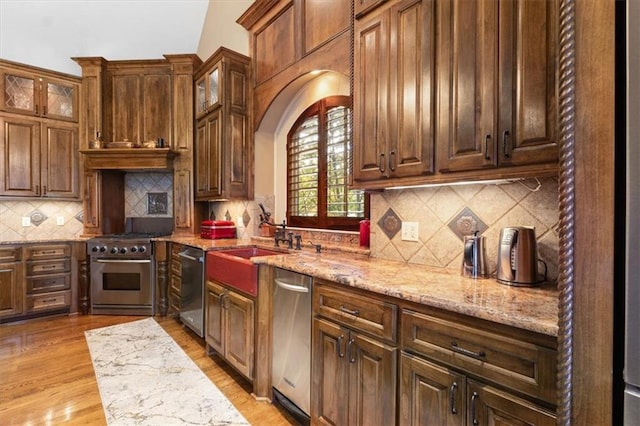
(229, 327)
(355, 357)
(11, 282)
(434, 395)
(354, 377)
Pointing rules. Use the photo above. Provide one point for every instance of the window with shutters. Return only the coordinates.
(318, 169)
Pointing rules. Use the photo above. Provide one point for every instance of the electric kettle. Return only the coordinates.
(518, 257)
(474, 259)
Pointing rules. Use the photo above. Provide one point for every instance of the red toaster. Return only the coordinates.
(217, 229)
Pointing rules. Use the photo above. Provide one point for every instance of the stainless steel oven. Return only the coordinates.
(122, 276)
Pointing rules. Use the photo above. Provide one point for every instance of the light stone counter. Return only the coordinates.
(534, 309)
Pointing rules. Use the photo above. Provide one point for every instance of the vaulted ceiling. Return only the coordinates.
(47, 33)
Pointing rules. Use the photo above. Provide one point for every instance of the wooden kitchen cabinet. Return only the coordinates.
(394, 91)
(11, 281)
(354, 358)
(223, 149)
(39, 136)
(456, 371)
(435, 395)
(229, 326)
(37, 92)
(497, 85)
(138, 106)
(175, 280)
(207, 90)
(48, 277)
(39, 158)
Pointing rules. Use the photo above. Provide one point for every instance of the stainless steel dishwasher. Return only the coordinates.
(192, 290)
(291, 356)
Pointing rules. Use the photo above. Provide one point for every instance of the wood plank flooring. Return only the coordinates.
(46, 375)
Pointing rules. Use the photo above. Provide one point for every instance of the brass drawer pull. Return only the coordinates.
(456, 348)
(355, 313)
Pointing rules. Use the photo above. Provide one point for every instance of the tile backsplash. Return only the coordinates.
(445, 213)
(148, 194)
(48, 220)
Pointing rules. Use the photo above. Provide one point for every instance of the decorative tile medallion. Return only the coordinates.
(246, 218)
(80, 216)
(37, 217)
(227, 215)
(390, 223)
(466, 223)
(157, 203)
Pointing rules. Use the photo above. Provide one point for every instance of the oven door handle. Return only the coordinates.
(123, 260)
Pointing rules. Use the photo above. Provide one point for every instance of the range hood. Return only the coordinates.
(129, 158)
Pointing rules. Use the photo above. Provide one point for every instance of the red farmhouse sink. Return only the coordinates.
(234, 268)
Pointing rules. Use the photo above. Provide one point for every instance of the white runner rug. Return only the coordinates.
(145, 378)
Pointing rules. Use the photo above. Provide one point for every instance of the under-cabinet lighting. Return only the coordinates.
(474, 182)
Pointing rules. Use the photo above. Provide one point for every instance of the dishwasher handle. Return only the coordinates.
(186, 256)
(291, 287)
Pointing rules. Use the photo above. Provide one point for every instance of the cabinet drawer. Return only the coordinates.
(175, 284)
(47, 252)
(10, 254)
(48, 283)
(176, 266)
(48, 267)
(48, 301)
(358, 311)
(505, 359)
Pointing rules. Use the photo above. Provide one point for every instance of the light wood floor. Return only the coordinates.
(46, 375)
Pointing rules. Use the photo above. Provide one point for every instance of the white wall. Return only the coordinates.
(220, 28)
(47, 33)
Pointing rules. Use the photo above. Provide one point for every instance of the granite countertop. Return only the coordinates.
(529, 308)
(534, 308)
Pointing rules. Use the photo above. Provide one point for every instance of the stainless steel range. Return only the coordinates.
(122, 275)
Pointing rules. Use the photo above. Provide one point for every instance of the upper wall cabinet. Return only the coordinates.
(454, 90)
(223, 153)
(39, 132)
(138, 104)
(25, 90)
(394, 76)
(207, 90)
(497, 84)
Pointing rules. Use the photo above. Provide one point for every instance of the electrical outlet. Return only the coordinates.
(26, 221)
(409, 231)
(59, 220)
(240, 223)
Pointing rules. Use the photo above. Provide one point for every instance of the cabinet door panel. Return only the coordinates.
(372, 381)
(467, 84)
(236, 142)
(20, 157)
(429, 394)
(60, 154)
(330, 377)
(528, 98)
(156, 108)
(413, 83)
(239, 332)
(215, 318)
(11, 289)
(490, 406)
(371, 92)
(126, 108)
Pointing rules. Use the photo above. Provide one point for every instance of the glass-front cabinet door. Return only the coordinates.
(33, 95)
(208, 90)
